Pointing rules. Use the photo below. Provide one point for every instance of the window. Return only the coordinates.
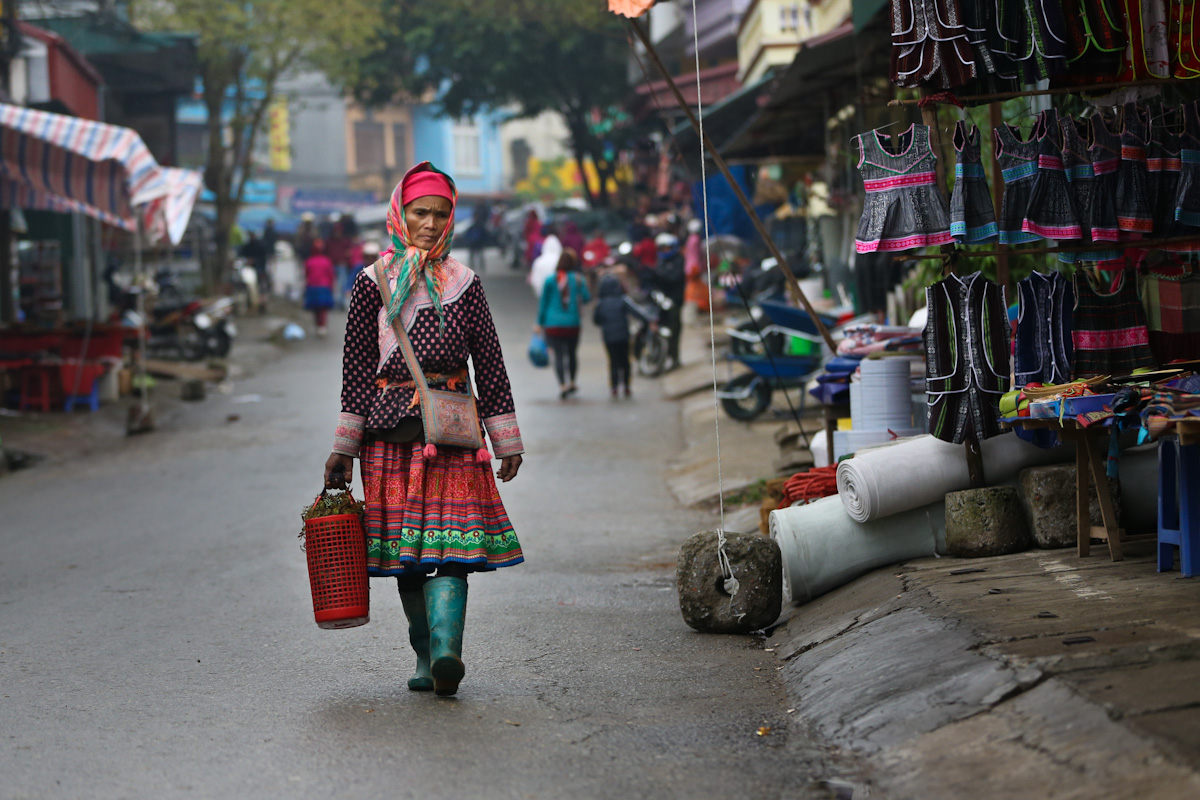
(399, 144)
(368, 147)
(789, 17)
(467, 160)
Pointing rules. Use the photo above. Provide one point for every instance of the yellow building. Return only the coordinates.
(771, 31)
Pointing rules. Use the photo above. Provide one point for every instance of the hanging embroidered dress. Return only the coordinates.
(1164, 165)
(1018, 160)
(1187, 197)
(966, 357)
(1051, 210)
(1044, 348)
(1110, 333)
(1105, 151)
(1081, 182)
(972, 216)
(1135, 208)
(903, 208)
(930, 44)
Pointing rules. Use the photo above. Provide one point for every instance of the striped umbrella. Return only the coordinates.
(62, 163)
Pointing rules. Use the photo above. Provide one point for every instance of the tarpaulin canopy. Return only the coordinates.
(61, 163)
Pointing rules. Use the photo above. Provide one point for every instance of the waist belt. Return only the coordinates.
(451, 380)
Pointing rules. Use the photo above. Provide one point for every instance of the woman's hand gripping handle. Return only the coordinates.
(339, 471)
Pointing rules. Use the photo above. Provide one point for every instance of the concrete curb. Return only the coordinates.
(1037, 674)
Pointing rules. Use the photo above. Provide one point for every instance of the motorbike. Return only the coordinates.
(193, 331)
(651, 339)
(214, 320)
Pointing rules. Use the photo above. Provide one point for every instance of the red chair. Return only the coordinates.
(37, 387)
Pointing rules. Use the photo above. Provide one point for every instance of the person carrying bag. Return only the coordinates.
(433, 513)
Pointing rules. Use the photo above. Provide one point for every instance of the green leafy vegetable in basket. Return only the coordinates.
(331, 504)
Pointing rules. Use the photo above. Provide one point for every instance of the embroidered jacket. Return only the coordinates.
(374, 374)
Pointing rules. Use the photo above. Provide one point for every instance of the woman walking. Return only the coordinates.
(559, 319)
(318, 285)
(433, 513)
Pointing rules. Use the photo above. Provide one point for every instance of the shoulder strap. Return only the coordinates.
(406, 347)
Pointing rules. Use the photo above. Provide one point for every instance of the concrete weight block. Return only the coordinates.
(1048, 500)
(192, 390)
(705, 602)
(985, 522)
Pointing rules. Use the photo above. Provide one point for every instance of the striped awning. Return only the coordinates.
(57, 162)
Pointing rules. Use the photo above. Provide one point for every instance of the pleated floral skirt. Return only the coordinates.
(423, 512)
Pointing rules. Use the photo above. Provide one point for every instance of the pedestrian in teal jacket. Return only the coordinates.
(559, 319)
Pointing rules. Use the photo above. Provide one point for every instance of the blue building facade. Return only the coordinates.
(468, 149)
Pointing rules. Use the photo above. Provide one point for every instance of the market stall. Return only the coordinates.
(65, 164)
(1049, 198)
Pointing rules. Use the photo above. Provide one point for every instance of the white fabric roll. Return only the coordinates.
(823, 548)
(915, 472)
(884, 396)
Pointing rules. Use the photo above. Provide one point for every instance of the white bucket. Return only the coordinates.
(823, 548)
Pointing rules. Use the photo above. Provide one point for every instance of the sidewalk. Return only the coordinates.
(1033, 675)
(56, 436)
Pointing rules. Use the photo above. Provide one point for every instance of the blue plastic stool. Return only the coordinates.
(91, 399)
(1178, 511)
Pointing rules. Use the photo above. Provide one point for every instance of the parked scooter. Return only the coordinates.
(214, 320)
(651, 339)
(196, 330)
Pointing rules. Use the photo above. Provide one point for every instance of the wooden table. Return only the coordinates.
(1091, 453)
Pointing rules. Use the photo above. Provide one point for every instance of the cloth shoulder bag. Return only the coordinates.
(450, 418)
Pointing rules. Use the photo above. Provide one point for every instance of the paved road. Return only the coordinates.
(156, 637)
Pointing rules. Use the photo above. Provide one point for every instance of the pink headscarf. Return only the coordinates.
(411, 262)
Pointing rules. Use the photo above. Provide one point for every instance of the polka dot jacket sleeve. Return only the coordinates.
(491, 378)
(360, 360)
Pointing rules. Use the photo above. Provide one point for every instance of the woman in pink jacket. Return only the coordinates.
(318, 285)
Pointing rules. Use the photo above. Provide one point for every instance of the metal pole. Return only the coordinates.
(793, 284)
(143, 380)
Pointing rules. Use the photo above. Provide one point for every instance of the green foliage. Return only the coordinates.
(245, 47)
(529, 55)
(331, 504)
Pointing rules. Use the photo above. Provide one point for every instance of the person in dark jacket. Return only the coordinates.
(612, 315)
(670, 278)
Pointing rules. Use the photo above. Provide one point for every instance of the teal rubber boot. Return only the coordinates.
(418, 637)
(446, 601)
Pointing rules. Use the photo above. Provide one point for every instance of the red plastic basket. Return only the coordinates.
(336, 548)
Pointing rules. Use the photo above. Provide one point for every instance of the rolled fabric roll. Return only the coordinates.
(911, 473)
(823, 548)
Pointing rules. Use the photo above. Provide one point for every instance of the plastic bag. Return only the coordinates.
(537, 351)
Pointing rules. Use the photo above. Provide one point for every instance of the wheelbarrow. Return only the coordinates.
(748, 395)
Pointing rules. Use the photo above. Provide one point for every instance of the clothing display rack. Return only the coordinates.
(1150, 50)
(947, 97)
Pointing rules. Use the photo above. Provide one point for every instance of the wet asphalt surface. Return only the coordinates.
(157, 640)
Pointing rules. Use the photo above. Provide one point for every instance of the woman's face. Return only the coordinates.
(426, 218)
